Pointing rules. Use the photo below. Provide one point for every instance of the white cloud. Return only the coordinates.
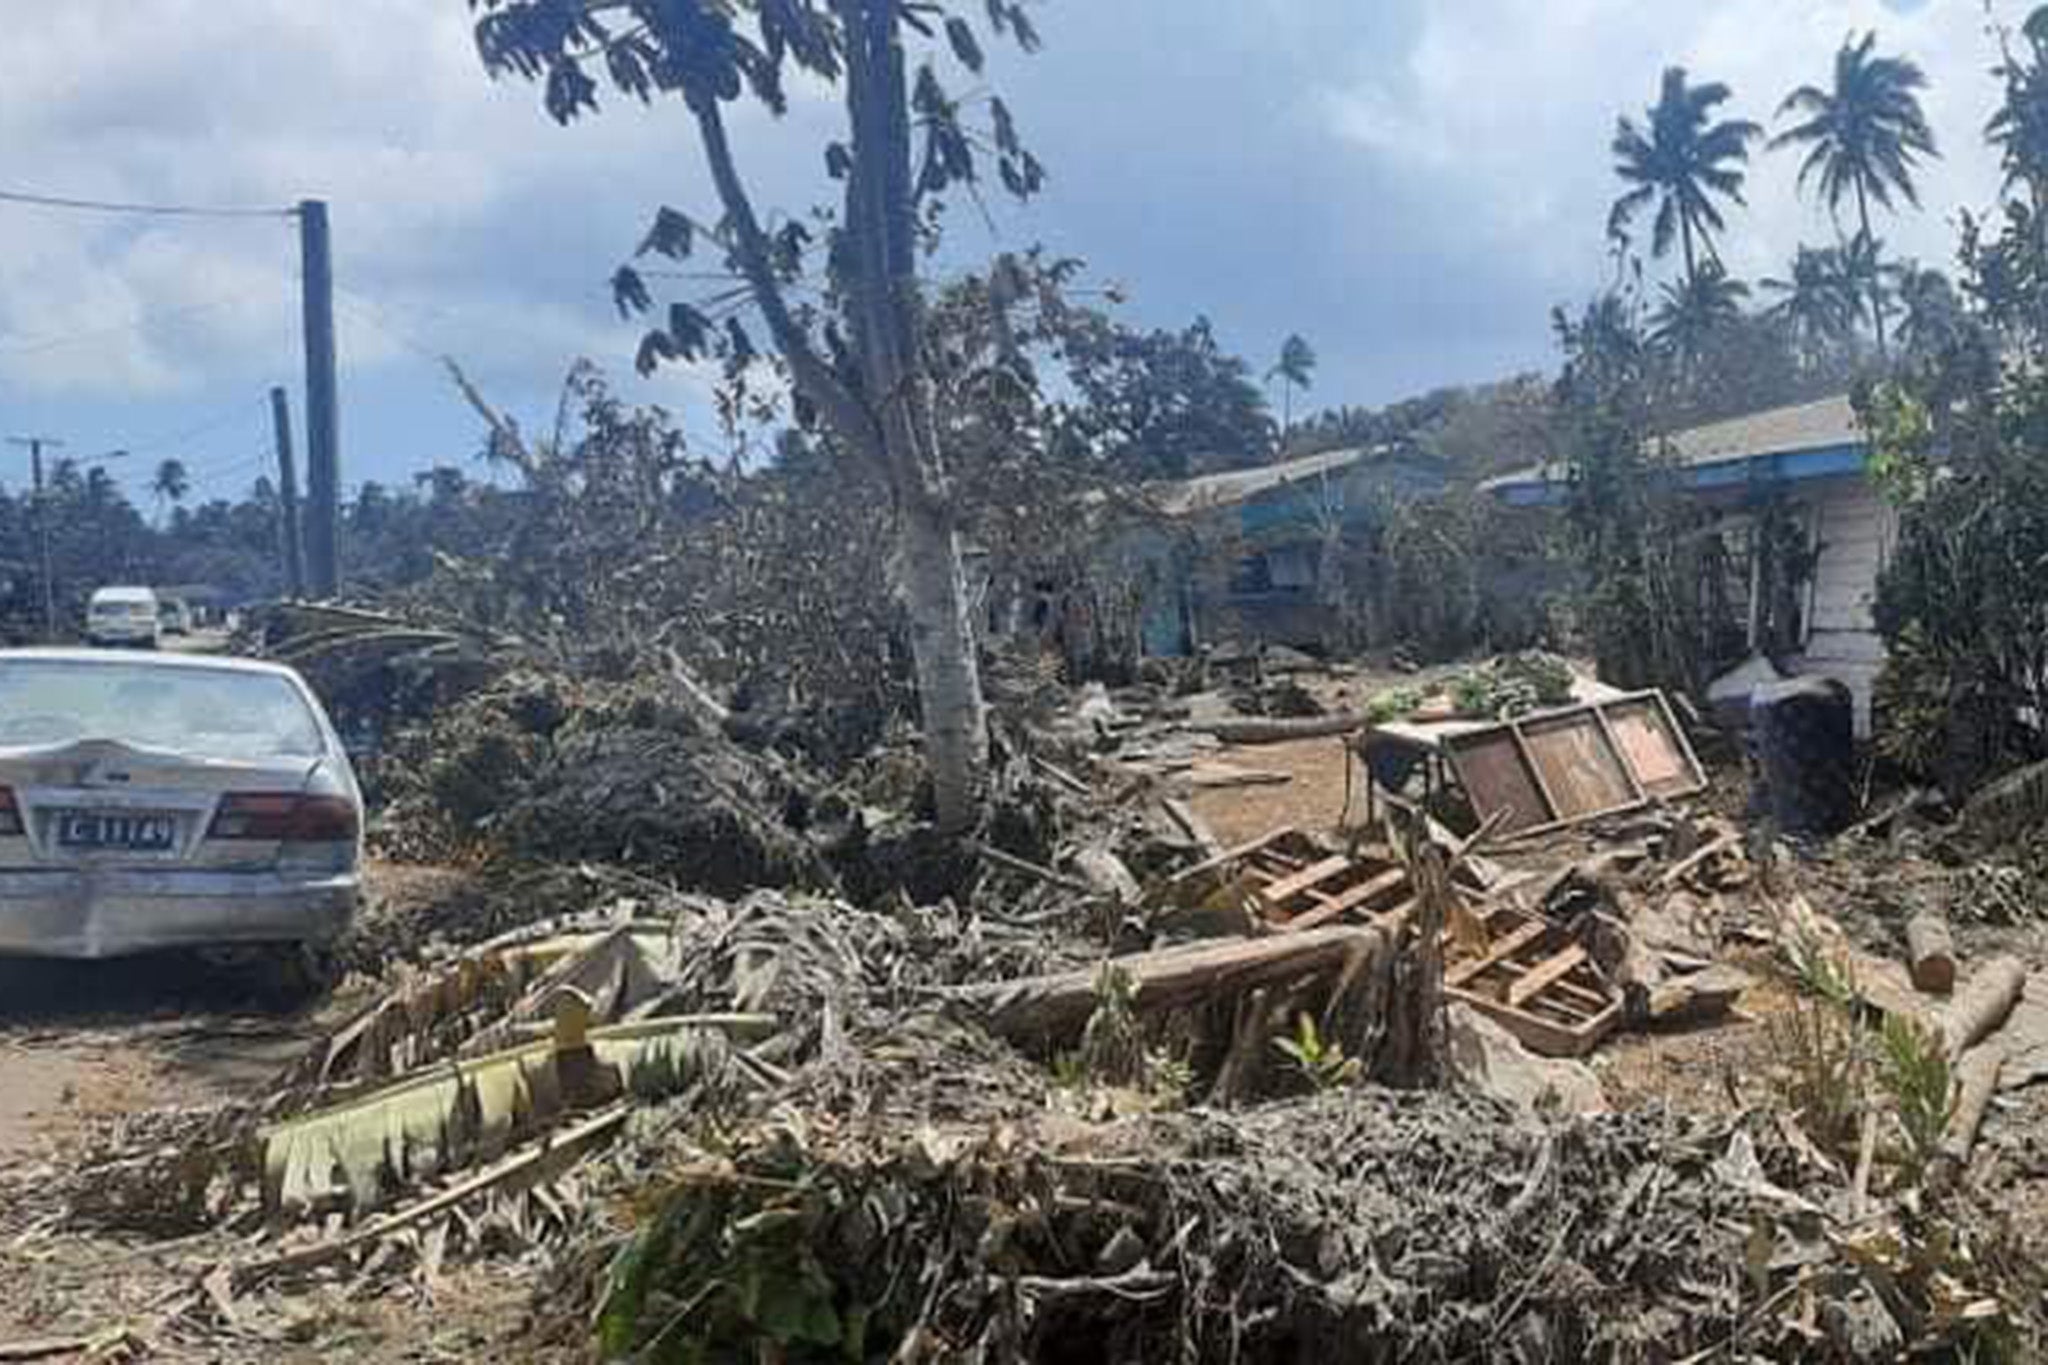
(1506, 108)
(456, 203)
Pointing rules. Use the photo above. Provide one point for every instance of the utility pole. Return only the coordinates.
(288, 495)
(323, 421)
(35, 446)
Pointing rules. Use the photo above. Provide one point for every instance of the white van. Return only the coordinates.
(124, 616)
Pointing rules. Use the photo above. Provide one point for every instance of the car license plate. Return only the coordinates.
(116, 829)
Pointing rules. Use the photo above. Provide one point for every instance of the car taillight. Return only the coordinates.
(284, 817)
(10, 814)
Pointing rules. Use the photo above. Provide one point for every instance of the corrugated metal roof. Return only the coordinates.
(1235, 486)
(1824, 424)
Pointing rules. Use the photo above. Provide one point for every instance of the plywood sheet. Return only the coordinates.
(1580, 769)
(1497, 777)
(1660, 759)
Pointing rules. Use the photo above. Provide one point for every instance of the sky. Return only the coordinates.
(1410, 184)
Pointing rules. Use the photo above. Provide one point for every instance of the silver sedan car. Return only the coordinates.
(155, 801)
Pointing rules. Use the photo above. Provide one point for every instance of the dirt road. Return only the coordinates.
(84, 1040)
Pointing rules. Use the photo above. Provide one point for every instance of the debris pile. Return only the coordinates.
(792, 1075)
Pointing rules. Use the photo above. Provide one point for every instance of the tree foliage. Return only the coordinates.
(1961, 440)
(855, 355)
(1682, 160)
(1161, 404)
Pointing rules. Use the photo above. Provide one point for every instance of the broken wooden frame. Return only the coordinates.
(1518, 968)
(1539, 982)
(1294, 881)
(1550, 769)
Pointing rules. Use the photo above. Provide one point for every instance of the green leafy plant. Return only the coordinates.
(1394, 703)
(1112, 1053)
(1821, 1070)
(1916, 1076)
(1321, 1061)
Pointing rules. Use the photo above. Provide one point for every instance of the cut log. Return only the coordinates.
(1976, 1083)
(1278, 731)
(1983, 1004)
(1931, 951)
(1056, 1007)
(1223, 776)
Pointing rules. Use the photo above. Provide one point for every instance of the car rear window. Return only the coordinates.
(206, 712)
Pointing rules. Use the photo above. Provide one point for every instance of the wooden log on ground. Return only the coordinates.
(1976, 1083)
(1931, 952)
(1056, 1007)
(1983, 1004)
(1279, 730)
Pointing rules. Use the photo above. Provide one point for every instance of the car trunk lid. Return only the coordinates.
(100, 802)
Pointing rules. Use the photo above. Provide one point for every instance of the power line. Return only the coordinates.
(42, 344)
(210, 424)
(52, 201)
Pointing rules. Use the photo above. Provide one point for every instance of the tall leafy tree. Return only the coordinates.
(1694, 311)
(1865, 136)
(1160, 404)
(1683, 160)
(854, 355)
(2019, 126)
(170, 483)
(1295, 369)
(1931, 314)
(1815, 304)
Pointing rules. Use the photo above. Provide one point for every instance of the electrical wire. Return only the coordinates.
(41, 344)
(211, 424)
(52, 201)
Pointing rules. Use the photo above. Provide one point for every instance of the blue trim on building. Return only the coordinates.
(1792, 466)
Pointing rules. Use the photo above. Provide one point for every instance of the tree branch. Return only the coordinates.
(814, 378)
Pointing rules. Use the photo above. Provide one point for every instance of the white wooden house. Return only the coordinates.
(1814, 460)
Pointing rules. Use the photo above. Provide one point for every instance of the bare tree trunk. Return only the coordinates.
(948, 673)
(889, 317)
(1876, 279)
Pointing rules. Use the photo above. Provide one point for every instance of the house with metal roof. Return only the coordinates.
(1809, 463)
(1247, 556)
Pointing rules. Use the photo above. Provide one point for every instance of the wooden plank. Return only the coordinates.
(1334, 906)
(1279, 892)
(1620, 756)
(1557, 812)
(1494, 771)
(1501, 951)
(1543, 973)
(1231, 855)
(1584, 775)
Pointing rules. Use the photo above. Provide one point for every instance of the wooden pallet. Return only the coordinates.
(1294, 882)
(1537, 982)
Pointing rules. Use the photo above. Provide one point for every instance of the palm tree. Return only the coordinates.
(1930, 314)
(1864, 136)
(1695, 310)
(1294, 369)
(1684, 161)
(1869, 280)
(1815, 303)
(171, 483)
(2019, 129)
